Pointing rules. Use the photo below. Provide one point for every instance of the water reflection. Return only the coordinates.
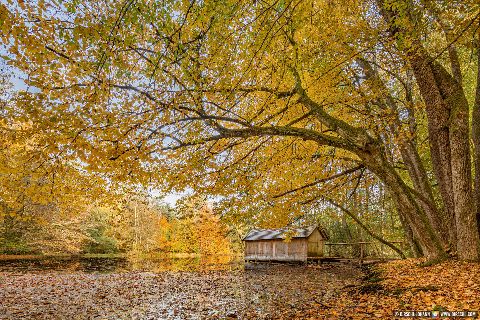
(119, 264)
(202, 263)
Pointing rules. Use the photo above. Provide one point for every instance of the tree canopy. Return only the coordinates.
(276, 107)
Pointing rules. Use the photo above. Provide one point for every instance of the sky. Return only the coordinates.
(172, 198)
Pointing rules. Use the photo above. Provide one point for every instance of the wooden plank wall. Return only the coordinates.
(266, 250)
(315, 244)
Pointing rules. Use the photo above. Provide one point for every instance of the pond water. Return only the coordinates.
(86, 288)
(89, 264)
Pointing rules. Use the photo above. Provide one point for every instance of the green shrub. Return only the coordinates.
(99, 242)
(15, 247)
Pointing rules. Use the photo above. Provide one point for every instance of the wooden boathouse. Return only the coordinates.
(272, 244)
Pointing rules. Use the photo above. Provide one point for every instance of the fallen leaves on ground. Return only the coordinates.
(268, 292)
(408, 285)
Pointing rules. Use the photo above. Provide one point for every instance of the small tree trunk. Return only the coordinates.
(412, 242)
(420, 182)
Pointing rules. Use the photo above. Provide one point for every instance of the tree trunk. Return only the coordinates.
(476, 137)
(438, 114)
(459, 134)
(447, 112)
(419, 176)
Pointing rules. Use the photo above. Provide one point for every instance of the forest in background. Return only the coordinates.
(135, 226)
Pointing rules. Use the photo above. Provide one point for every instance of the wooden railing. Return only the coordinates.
(361, 250)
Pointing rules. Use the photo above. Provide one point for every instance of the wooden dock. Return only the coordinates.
(369, 260)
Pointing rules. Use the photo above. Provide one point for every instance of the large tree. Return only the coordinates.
(264, 102)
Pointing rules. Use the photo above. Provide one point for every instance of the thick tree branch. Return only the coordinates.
(357, 137)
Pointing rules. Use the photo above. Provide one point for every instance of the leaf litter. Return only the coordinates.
(269, 292)
(328, 291)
